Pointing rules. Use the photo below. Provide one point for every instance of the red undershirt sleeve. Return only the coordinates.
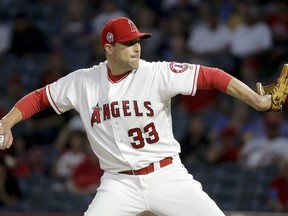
(211, 78)
(33, 103)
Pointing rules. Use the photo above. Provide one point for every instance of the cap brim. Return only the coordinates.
(135, 36)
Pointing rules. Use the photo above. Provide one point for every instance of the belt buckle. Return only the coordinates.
(156, 165)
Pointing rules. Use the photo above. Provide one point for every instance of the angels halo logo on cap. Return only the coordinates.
(121, 29)
(109, 37)
(132, 26)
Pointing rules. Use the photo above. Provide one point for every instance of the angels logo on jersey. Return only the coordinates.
(96, 115)
(178, 67)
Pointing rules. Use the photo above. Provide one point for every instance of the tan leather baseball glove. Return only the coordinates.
(278, 90)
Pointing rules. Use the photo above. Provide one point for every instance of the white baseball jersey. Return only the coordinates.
(128, 121)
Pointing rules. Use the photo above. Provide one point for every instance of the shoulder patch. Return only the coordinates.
(178, 67)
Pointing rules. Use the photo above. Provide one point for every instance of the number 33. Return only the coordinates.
(149, 132)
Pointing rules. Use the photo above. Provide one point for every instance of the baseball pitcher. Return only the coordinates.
(124, 104)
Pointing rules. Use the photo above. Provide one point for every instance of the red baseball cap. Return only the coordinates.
(121, 29)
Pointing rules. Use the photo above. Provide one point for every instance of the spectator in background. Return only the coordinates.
(73, 155)
(96, 54)
(186, 9)
(46, 124)
(278, 195)
(76, 30)
(5, 32)
(251, 42)
(253, 36)
(235, 17)
(209, 39)
(229, 132)
(225, 8)
(20, 160)
(9, 189)
(181, 118)
(239, 116)
(203, 101)
(14, 90)
(27, 159)
(108, 10)
(176, 49)
(227, 148)
(195, 143)
(85, 178)
(173, 25)
(148, 21)
(256, 126)
(27, 38)
(268, 149)
(277, 20)
(73, 124)
(56, 67)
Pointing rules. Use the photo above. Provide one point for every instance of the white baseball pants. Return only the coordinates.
(169, 191)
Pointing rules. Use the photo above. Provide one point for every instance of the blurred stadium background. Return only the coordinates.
(42, 40)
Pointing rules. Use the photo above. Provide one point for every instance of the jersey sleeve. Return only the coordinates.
(63, 93)
(178, 78)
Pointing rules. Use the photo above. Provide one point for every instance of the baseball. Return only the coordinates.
(2, 142)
